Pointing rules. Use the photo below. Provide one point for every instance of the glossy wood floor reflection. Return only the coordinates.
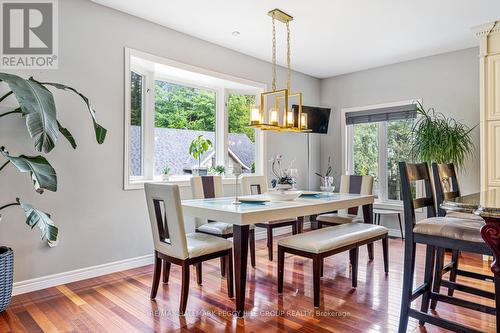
(120, 302)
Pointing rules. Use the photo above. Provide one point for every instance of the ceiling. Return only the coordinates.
(329, 37)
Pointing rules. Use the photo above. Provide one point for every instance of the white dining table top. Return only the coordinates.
(223, 209)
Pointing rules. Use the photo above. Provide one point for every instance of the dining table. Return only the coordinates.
(487, 205)
(242, 214)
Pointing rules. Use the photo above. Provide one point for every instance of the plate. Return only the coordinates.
(310, 194)
(283, 195)
(250, 199)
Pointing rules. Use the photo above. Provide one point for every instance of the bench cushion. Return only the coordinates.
(331, 238)
(450, 227)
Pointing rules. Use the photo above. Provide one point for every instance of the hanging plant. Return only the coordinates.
(440, 139)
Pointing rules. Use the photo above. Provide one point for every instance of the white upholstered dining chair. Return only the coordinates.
(206, 187)
(348, 184)
(251, 185)
(173, 246)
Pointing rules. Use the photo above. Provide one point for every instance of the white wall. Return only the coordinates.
(448, 82)
(98, 221)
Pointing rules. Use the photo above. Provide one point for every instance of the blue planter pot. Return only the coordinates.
(6, 276)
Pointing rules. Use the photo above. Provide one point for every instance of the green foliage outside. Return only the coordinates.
(182, 107)
(239, 115)
(365, 148)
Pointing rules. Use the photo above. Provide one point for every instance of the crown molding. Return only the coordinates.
(484, 30)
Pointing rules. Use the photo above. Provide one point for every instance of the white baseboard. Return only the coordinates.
(53, 280)
(48, 281)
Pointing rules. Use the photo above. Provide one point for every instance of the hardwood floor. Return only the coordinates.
(120, 302)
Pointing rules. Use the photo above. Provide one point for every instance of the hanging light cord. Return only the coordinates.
(288, 56)
(274, 54)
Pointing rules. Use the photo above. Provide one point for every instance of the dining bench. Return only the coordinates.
(322, 243)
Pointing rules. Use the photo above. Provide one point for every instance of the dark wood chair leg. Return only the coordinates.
(222, 267)
(251, 239)
(270, 243)
(166, 271)
(438, 274)
(229, 274)
(184, 288)
(385, 250)
(368, 218)
(407, 285)
(156, 276)
(400, 226)
(294, 228)
(321, 263)
(281, 268)
(199, 278)
(316, 279)
(454, 268)
(429, 267)
(354, 255)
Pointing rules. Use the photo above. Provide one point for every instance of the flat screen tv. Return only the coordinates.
(317, 118)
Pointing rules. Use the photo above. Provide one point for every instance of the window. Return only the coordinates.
(241, 136)
(182, 113)
(169, 104)
(377, 139)
(136, 102)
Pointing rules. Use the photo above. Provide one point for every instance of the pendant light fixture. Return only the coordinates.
(280, 115)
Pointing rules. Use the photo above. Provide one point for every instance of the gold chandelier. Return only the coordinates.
(281, 116)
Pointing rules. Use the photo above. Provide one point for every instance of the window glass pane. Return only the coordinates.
(365, 147)
(241, 136)
(135, 137)
(399, 143)
(182, 114)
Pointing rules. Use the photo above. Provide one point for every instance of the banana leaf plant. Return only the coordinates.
(37, 106)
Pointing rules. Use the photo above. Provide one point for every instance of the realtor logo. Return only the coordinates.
(29, 34)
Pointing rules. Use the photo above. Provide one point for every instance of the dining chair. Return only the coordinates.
(251, 185)
(436, 233)
(206, 187)
(173, 246)
(352, 184)
(446, 187)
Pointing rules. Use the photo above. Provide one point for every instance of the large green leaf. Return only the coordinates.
(35, 217)
(37, 104)
(100, 132)
(43, 175)
(64, 131)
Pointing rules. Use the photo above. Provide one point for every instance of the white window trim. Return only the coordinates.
(347, 158)
(130, 183)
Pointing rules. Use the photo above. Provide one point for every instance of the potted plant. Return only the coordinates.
(197, 148)
(218, 170)
(327, 180)
(35, 104)
(440, 139)
(284, 180)
(165, 173)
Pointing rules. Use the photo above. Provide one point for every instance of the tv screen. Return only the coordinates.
(317, 118)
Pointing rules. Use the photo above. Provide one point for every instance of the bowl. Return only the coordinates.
(283, 195)
(327, 188)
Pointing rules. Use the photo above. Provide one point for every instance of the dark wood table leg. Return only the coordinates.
(368, 218)
(240, 250)
(314, 222)
(491, 235)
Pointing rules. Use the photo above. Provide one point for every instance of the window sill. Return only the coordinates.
(180, 181)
